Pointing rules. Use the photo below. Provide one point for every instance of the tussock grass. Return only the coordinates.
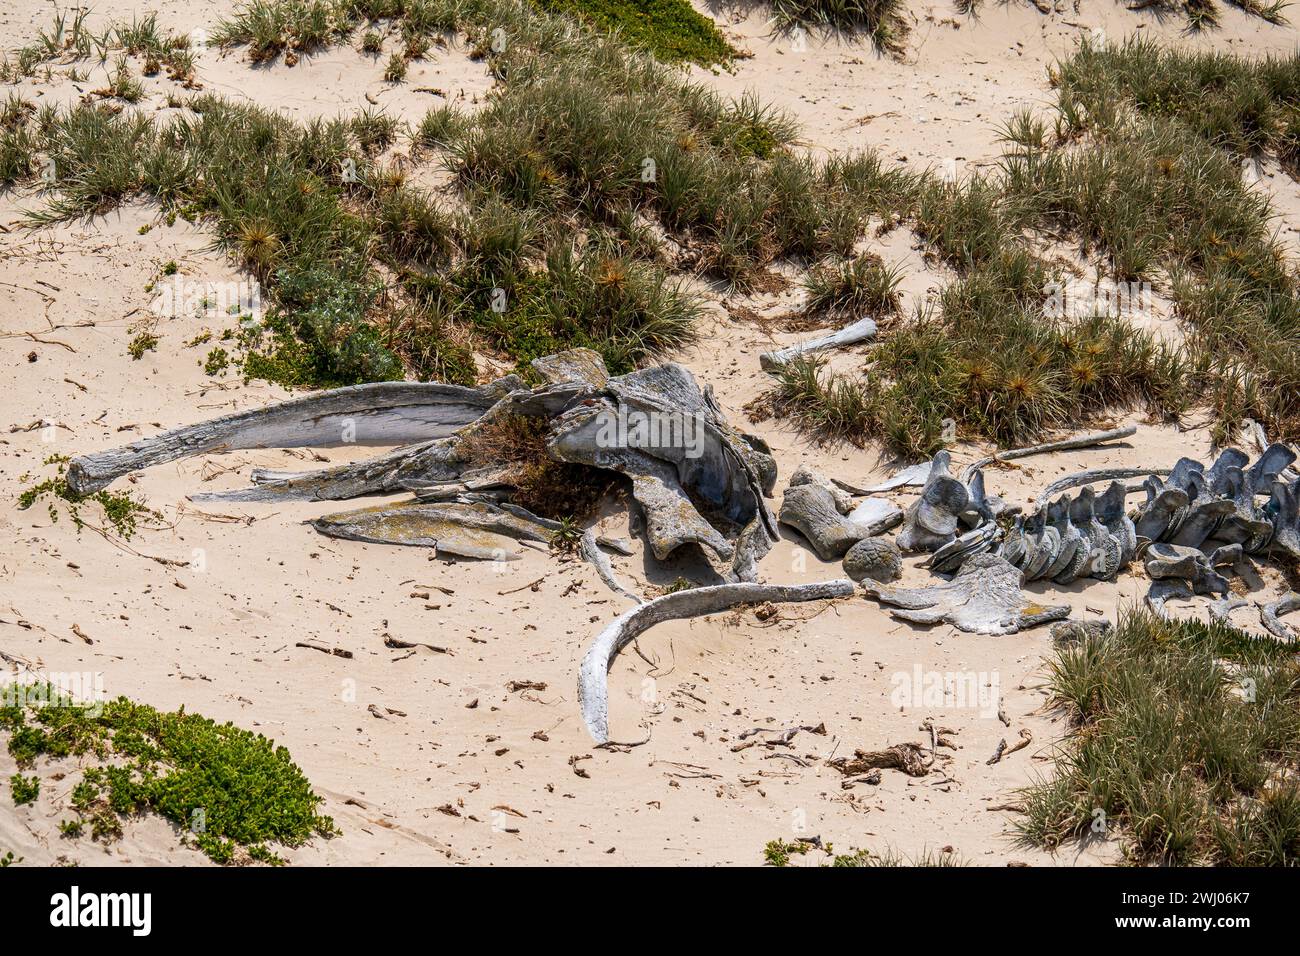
(557, 235)
(69, 39)
(883, 21)
(1184, 745)
(862, 285)
(1142, 169)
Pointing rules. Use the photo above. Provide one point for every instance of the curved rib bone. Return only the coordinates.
(592, 554)
(1093, 476)
(380, 413)
(593, 689)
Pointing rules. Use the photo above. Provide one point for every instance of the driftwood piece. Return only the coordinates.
(1082, 441)
(380, 413)
(859, 331)
(908, 757)
(593, 690)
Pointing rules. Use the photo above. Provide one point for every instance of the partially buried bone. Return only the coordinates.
(859, 331)
(479, 530)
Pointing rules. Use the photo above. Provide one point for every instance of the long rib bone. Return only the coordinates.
(593, 690)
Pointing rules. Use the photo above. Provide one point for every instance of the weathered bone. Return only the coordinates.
(811, 510)
(468, 530)
(376, 414)
(1082, 441)
(592, 554)
(593, 690)
(983, 598)
(931, 521)
(859, 331)
(803, 475)
(1283, 512)
(1165, 561)
(1092, 476)
(876, 516)
(1269, 614)
(875, 558)
(954, 554)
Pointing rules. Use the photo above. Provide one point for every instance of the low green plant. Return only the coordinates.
(24, 789)
(121, 510)
(227, 787)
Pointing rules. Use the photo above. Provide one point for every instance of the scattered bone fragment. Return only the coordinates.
(1269, 614)
(859, 331)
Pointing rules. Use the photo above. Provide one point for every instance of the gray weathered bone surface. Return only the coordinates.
(655, 425)
(591, 553)
(477, 530)
(811, 510)
(859, 331)
(875, 558)
(377, 414)
(593, 689)
(1269, 614)
(931, 521)
(983, 598)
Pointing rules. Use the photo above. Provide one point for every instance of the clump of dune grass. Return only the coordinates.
(1184, 745)
(1161, 188)
(272, 27)
(778, 853)
(860, 286)
(69, 39)
(883, 21)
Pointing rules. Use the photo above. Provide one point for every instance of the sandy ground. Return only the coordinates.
(460, 769)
